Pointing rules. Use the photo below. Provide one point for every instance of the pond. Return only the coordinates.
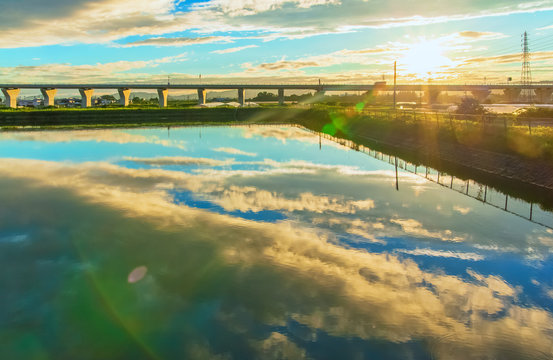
(259, 242)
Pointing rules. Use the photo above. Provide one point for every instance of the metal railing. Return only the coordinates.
(487, 122)
(473, 189)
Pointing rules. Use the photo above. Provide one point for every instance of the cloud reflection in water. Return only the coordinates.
(351, 262)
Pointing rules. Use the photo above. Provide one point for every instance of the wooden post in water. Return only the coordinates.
(485, 193)
(395, 78)
(397, 180)
(506, 199)
(531, 208)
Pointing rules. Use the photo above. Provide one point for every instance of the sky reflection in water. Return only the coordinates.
(251, 242)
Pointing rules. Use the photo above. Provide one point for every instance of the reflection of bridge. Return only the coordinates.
(481, 92)
(470, 188)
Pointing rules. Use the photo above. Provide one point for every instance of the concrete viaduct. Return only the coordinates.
(481, 92)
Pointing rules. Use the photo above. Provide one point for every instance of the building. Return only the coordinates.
(69, 102)
(30, 102)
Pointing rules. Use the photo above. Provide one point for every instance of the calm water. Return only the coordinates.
(256, 243)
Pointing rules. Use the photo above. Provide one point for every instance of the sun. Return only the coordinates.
(424, 58)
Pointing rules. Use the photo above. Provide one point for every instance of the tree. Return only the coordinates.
(470, 105)
(137, 100)
(265, 96)
(108, 97)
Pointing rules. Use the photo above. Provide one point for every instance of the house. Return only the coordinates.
(30, 102)
(69, 102)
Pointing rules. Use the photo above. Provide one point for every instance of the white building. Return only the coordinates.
(30, 102)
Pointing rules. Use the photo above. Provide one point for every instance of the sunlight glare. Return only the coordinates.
(424, 58)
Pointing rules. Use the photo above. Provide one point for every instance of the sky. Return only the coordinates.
(272, 41)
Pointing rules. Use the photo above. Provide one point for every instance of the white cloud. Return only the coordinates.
(87, 21)
(461, 210)
(381, 296)
(278, 346)
(109, 136)
(82, 73)
(251, 7)
(253, 199)
(234, 49)
(440, 253)
(179, 160)
(234, 151)
(495, 283)
(178, 41)
(360, 56)
(416, 228)
(479, 35)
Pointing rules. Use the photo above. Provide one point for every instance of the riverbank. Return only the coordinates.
(509, 160)
(129, 117)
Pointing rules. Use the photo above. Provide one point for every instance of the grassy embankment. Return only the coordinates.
(11, 119)
(439, 141)
(509, 158)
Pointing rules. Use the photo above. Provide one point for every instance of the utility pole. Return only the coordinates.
(395, 78)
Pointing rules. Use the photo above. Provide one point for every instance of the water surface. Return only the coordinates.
(260, 242)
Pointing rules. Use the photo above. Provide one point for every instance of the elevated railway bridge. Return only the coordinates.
(49, 90)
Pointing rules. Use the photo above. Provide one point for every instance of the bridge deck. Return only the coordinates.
(322, 87)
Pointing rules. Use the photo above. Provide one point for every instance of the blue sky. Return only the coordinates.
(272, 40)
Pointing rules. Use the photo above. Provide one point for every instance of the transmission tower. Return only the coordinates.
(526, 74)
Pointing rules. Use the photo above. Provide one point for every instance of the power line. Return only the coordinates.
(538, 45)
(544, 46)
(546, 38)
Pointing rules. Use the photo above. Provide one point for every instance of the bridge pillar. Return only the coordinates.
(86, 97)
(49, 95)
(511, 94)
(162, 96)
(241, 96)
(481, 95)
(201, 96)
(431, 95)
(11, 96)
(281, 96)
(543, 94)
(124, 95)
